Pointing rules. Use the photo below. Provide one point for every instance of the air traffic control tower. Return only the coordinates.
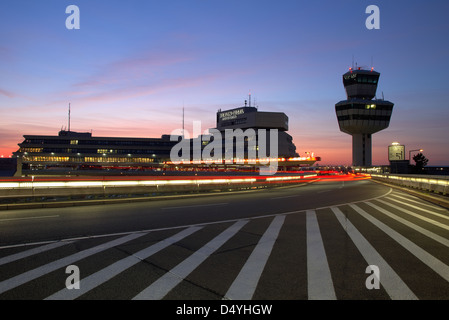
(362, 115)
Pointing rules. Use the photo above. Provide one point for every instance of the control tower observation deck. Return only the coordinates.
(362, 115)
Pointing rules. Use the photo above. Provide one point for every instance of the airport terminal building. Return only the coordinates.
(248, 117)
(80, 153)
(71, 151)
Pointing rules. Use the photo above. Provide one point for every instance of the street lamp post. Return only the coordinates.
(410, 154)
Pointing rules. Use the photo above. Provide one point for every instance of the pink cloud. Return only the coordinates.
(9, 94)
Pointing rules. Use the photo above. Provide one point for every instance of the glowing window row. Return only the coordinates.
(87, 159)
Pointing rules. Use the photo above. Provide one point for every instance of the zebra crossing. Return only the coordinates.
(321, 254)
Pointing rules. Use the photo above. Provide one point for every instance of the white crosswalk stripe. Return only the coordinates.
(245, 284)
(40, 271)
(422, 221)
(434, 263)
(319, 280)
(422, 230)
(108, 273)
(418, 215)
(33, 251)
(394, 285)
(167, 282)
(417, 201)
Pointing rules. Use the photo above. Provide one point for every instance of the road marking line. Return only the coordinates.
(418, 208)
(422, 202)
(114, 269)
(285, 197)
(161, 287)
(195, 206)
(432, 262)
(29, 218)
(390, 280)
(245, 283)
(425, 232)
(30, 252)
(359, 201)
(64, 262)
(319, 279)
(436, 223)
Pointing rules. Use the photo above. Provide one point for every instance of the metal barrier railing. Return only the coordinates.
(437, 184)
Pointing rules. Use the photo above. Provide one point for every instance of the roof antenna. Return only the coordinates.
(183, 119)
(250, 98)
(69, 117)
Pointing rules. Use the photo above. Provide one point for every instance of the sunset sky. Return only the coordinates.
(133, 65)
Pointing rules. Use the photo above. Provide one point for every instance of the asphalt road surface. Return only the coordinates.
(331, 239)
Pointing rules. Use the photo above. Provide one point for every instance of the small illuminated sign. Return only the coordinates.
(396, 152)
(350, 76)
(229, 115)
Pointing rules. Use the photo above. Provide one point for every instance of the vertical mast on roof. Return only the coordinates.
(69, 117)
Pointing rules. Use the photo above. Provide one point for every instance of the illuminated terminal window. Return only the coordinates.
(46, 159)
(73, 141)
(104, 151)
(118, 159)
(30, 150)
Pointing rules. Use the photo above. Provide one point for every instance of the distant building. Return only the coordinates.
(73, 151)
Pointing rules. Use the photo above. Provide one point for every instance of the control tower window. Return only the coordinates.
(367, 79)
(360, 78)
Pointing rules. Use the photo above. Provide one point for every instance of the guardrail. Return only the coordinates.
(436, 184)
(50, 192)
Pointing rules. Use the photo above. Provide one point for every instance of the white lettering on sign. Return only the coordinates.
(229, 115)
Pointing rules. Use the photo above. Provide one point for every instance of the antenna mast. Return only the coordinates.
(69, 117)
(183, 120)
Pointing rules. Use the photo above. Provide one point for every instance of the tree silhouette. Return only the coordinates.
(421, 161)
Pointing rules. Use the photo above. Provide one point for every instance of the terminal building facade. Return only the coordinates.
(81, 153)
(248, 117)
